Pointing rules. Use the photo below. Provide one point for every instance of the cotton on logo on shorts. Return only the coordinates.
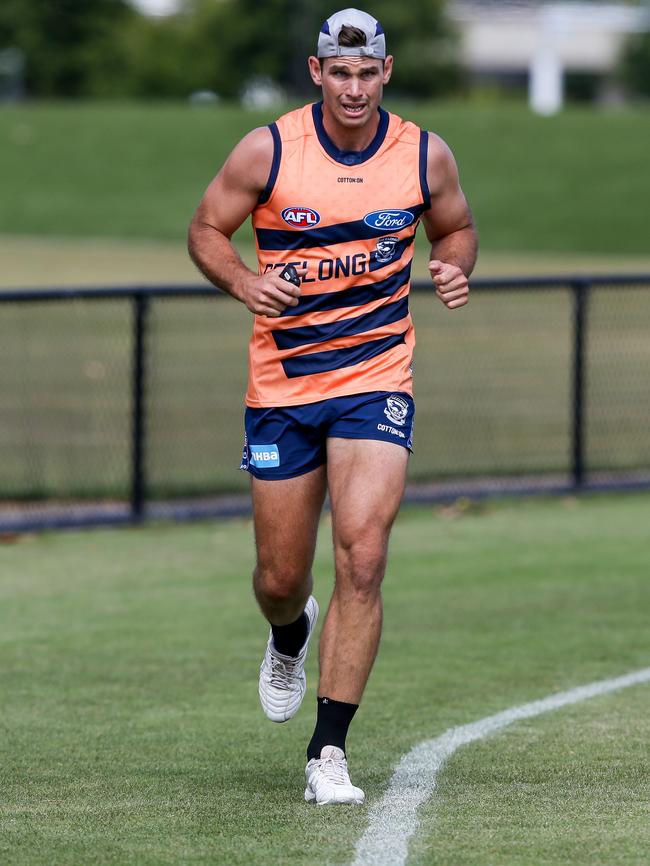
(385, 428)
(396, 410)
(264, 456)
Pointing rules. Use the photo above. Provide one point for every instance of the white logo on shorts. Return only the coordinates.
(396, 410)
(384, 428)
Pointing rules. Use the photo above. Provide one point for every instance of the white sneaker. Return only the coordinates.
(328, 781)
(282, 678)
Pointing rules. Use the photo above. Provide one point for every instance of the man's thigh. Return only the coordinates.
(366, 480)
(286, 514)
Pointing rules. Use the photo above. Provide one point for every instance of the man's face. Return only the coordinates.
(352, 86)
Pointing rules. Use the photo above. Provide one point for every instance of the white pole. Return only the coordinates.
(546, 74)
(546, 82)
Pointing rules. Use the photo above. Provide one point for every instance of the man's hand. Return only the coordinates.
(270, 295)
(451, 284)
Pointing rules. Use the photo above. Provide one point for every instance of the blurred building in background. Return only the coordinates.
(510, 41)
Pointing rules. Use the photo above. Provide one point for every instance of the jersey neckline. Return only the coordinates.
(349, 157)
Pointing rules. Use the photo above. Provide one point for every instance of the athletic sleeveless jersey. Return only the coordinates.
(350, 217)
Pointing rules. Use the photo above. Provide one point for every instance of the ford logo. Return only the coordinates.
(301, 217)
(389, 219)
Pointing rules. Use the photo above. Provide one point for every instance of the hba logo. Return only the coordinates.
(300, 217)
(389, 220)
(264, 456)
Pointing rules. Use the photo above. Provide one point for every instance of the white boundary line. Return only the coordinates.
(393, 819)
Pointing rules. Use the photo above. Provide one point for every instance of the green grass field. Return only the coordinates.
(575, 183)
(132, 735)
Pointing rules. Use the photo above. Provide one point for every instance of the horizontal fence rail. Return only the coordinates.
(121, 404)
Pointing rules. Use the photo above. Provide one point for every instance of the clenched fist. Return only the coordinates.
(451, 284)
(270, 295)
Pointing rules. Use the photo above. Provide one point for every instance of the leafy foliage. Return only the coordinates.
(71, 46)
(636, 65)
(77, 48)
(276, 37)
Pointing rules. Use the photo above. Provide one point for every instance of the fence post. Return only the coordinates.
(138, 386)
(581, 289)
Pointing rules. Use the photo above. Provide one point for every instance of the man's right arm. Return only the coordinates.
(227, 202)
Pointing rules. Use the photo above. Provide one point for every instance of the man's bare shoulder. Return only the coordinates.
(250, 162)
(258, 143)
(441, 165)
(233, 193)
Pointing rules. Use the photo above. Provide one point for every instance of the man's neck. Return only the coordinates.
(350, 139)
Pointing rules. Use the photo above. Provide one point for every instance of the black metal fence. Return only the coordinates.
(120, 404)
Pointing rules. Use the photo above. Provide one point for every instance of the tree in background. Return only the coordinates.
(636, 65)
(161, 59)
(82, 48)
(240, 39)
(70, 46)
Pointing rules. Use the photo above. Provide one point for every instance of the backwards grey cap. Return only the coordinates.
(328, 38)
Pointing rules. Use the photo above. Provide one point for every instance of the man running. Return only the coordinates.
(336, 191)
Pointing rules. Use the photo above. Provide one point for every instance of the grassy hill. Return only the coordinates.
(573, 183)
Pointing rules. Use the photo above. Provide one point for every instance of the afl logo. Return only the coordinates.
(389, 220)
(300, 217)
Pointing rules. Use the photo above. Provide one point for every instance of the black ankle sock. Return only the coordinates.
(332, 723)
(290, 639)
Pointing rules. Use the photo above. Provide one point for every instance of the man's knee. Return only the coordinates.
(361, 562)
(279, 584)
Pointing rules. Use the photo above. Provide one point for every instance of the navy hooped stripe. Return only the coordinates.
(340, 233)
(265, 195)
(349, 157)
(334, 359)
(356, 296)
(290, 338)
(424, 183)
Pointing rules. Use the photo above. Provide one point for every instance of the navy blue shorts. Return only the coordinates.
(290, 440)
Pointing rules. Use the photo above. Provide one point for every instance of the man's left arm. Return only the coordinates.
(449, 226)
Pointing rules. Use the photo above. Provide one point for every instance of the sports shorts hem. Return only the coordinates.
(377, 438)
(284, 476)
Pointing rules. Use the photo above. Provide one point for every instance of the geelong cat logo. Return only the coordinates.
(396, 410)
(389, 220)
(301, 217)
(386, 249)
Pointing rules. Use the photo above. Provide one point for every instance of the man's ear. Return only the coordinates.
(315, 71)
(388, 68)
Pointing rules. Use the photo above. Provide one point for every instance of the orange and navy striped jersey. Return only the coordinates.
(350, 217)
